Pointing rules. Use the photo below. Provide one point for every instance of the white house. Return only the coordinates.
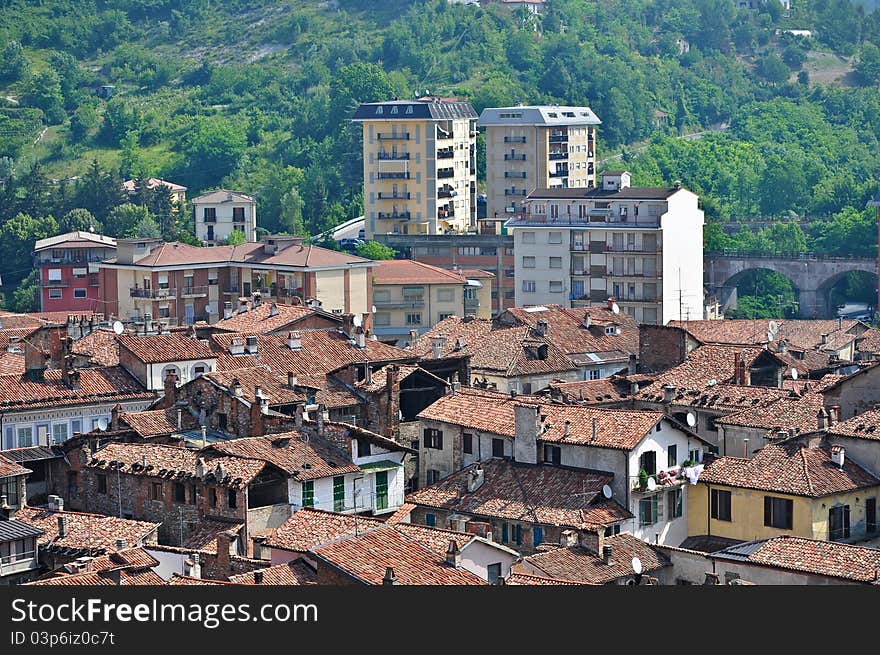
(218, 213)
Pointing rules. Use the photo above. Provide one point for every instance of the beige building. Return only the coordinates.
(531, 148)
(179, 284)
(420, 169)
(218, 213)
(410, 296)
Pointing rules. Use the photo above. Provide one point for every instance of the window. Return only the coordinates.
(444, 315)
(54, 275)
(838, 523)
(25, 437)
(155, 491)
(72, 482)
(552, 454)
(871, 515)
(537, 536)
(595, 373)
(164, 311)
(212, 497)
(694, 455)
(555, 286)
(671, 454)
(339, 493)
(529, 286)
(79, 293)
(102, 483)
(413, 318)
(528, 262)
(55, 293)
(238, 214)
(674, 499)
(554, 237)
(720, 505)
(382, 318)
(648, 462)
(778, 512)
(59, 432)
(433, 438)
(192, 494)
(198, 370)
(497, 447)
(445, 295)
(505, 533)
(493, 573)
(433, 476)
(648, 510)
(467, 443)
(363, 447)
(232, 499)
(430, 520)
(509, 272)
(517, 534)
(179, 493)
(528, 237)
(556, 262)
(210, 214)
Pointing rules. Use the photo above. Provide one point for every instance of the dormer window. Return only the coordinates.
(378, 110)
(394, 110)
(409, 109)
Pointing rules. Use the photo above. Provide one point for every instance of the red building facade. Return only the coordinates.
(68, 271)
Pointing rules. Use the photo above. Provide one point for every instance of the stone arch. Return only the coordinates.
(827, 285)
(732, 282)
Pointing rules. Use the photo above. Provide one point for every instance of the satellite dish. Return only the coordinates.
(615, 308)
(713, 382)
(637, 565)
(102, 424)
(769, 336)
(773, 327)
(794, 373)
(691, 419)
(118, 327)
(606, 491)
(357, 320)
(652, 484)
(209, 309)
(374, 309)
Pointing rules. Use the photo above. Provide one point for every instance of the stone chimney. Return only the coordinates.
(568, 538)
(833, 415)
(224, 544)
(475, 478)
(294, 340)
(256, 415)
(453, 554)
(542, 328)
(822, 419)
(668, 393)
(390, 578)
(291, 380)
(527, 427)
(170, 390)
(258, 577)
(348, 325)
(593, 541)
(192, 567)
(62, 525)
(437, 345)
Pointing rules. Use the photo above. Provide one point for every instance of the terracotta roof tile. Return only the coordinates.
(9, 468)
(789, 468)
(297, 572)
(861, 426)
(869, 342)
(784, 413)
(368, 555)
(827, 558)
(579, 564)
(204, 536)
(526, 579)
(106, 384)
(92, 579)
(591, 392)
(805, 334)
(407, 271)
(100, 346)
(308, 527)
(93, 532)
(129, 558)
(154, 422)
(268, 317)
(544, 494)
(156, 348)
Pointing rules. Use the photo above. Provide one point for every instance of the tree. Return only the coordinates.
(83, 122)
(124, 220)
(868, 66)
(14, 65)
(44, 92)
(78, 219)
(99, 191)
(212, 147)
(26, 297)
(375, 250)
(773, 69)
(17, 238)
(235, 238)
(147, 228)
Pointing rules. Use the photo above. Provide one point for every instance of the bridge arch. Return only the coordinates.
(735, 281)
(827, 287)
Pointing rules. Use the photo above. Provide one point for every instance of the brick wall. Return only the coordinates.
(661, 348)
(328, 575)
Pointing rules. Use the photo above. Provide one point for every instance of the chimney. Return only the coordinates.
(273, 310)
(56, 503)
(668, 393)
(475, 478)
(227, 310)
(224, 543)
(824, 339)
(348, 325)
(361, 338)
(368, 373)
(258, 577)
(838, 455)
(606, 555)
(737, 357)
(204, 436)
(453, 554)
(256, 416)
(542, 327)
(294, 340)
(437, 345)
(568, 538)
(390, 578)
(822, 419)
(179, 419)
(527, 426)
(833, 415)
(235, 387)
(62, 525)
(291, 380)
(121, 544)
(252, 345)
(568, 427)
(633, 388)
(593, 540)
(633, 364)
(594, 429)
(192, 567)
(746, 447)
(298, 416)
(170, 389)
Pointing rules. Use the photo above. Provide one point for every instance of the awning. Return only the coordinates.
(381, 465)
(474, 283)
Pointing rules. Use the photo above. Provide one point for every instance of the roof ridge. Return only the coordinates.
(806, 470)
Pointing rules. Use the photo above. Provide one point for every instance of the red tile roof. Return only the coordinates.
(701, 366)
(789, 468)
(786, 412)
(94, 579)
(106, 384)
(407, 271)
(100, 346)
(11, 364)
(93, 532)
(603, 390)
(157, 348)
(805, 334)
(204, 536)
(861, 426)
(297, 572)
(543, 494)
(8, 468)
(367, 556)
(579, 564)
(150, 423)
(526, 579)
(307, 528)
(268, 317)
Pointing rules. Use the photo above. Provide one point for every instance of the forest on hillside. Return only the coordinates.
(256, 95)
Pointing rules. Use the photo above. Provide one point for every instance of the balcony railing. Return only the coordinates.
(445, 213)
(447, 153)
(54, 284)
(447, 193)
(633, 249)
(515, 174)
(471, 303)
(153, 293)
(559, 173)
(515, 192)
(558, 138)
(16, 562)
(396, 175)
(610, 273)
(393, 136)
(514, 139)
(394, 196)
(556, 156)
(209, 219)
(514, 157)
(70, 260)
(442, 135)
(445, 172)
(401, 216)
(194, 291)
(393, 156)
(399, 304)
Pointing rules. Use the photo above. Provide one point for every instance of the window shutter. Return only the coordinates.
(714, 503)
(789, 514)
(504, 533)
(768, 511)
(439, 440)
(846, 521)
(427, 437)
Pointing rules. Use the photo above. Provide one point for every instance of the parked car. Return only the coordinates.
(350, 244)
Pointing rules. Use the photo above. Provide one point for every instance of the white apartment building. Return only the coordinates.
(642, 246)
(536, 147)
(420, 166)
(218, 213)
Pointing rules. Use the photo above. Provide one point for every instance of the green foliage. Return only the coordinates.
(83, 122)
(764, 294)
(773, 69)
(14, 65)
(210, 149)
(868, 66)
(147, 228)
(375, 250)
(124, 221)
(78, 219)
(26, 297)
(17, 237)
(44, 92)
(236, 238)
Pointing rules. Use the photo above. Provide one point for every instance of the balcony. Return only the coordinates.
(447, 193)
(69, 261)
(559, 173)
(393, 136)
(394, 196)
(54, 284)
(152, 294)
(393, 156)
(514, 157)
(514, 139)
(446, 213)
(649, 274)
(19, 562)
(209, 219)
(397, 216)
(471, 303)
(194, 291)
(557, 156)
(515, 174)
(558, 138)
(443, 135)
(395, 175)
(445, 173)
(515, 192)
(446, 153)
(633, 249)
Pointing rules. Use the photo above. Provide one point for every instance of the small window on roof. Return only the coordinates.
(394, 110)
(379, 109)
(553, 114)
(409, 109)
(568, 114)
